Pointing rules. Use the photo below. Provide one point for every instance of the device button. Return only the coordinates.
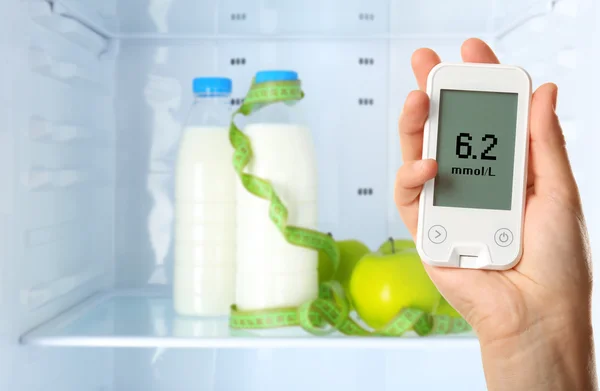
(437, 234)
(503, 237)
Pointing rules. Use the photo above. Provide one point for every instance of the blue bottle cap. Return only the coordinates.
(269, 76)
(212, 85)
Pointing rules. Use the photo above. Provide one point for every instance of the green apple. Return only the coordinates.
(351, 251)
(383, 284)
(396, 245)
(444, 308)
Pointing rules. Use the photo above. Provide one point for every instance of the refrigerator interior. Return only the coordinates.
(95, 95)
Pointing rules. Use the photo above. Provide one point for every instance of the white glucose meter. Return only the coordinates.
(471, 213)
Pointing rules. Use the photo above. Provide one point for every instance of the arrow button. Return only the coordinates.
(437, 234)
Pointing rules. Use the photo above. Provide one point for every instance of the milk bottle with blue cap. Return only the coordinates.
(272, 273)
(205, 217)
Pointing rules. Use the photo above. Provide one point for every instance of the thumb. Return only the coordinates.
(549, 162)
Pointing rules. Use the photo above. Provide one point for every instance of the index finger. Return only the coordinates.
(475, 50)
(423, 61)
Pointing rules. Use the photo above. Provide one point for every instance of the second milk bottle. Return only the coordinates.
(204, 275)
(272, 273)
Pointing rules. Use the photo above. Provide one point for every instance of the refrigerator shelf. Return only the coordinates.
(146, 319)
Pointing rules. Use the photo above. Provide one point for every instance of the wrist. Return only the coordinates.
(552, 354)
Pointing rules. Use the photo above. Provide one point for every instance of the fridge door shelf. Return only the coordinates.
(46, 131)
(44, 293)
(71, 29)
(146, 319)
(37, 179)
(67, 72)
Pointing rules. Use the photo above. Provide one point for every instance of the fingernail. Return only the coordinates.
(555, 97)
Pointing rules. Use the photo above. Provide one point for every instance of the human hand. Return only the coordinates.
(548, 294)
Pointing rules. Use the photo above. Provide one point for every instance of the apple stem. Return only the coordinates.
(393, 245)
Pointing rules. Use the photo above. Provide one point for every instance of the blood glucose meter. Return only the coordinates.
(471, 213)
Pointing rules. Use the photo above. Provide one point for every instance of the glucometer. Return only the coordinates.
(471, 213)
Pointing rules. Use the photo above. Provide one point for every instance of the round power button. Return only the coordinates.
(503, 237)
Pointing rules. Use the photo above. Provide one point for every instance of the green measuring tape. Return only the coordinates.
(330, 312)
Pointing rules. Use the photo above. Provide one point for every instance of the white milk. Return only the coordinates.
(204, 280)
(283, 154)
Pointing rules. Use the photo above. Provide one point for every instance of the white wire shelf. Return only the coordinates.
(146, 319)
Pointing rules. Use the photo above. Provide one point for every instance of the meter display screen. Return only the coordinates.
(476, 149)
